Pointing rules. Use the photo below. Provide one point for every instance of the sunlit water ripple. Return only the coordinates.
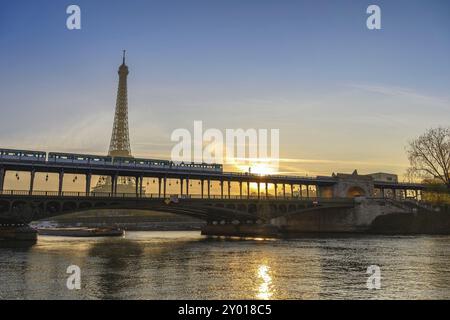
(185, 265)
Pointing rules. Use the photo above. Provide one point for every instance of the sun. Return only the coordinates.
(260, 168)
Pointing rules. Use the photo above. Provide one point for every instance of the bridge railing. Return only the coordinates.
(155, 195)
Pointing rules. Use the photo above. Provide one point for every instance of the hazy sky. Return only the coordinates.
(343, 96)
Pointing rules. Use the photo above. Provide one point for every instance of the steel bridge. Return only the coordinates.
(29, 205)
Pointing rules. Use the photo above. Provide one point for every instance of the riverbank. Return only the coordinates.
(130, 220)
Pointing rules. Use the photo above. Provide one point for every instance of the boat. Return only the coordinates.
(81, 232)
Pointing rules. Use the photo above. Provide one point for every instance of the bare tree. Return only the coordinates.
(429, 155)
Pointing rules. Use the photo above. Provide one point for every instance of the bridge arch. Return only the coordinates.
(355, 191)
(4, 206)
(273, 208)
(53, 207)
(69, 206)
(85, 205)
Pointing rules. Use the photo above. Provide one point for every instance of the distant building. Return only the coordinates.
(385, 177)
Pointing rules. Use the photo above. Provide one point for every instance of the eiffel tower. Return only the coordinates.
(120, 137)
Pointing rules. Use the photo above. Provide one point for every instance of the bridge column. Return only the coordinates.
(248, 189)
(229, 189)
(276, 190)
(159, 187)
(209, 188)
(394, 193)
(221, 189)
(292, 190)
(240, 189)
(202, 182)
(113, 182)
(60, 184)
(284, 191)
(137, 186)
(2, 178)
(141, 181)
(32, 175)
(116, 180)
(307, 191)
(267, 190)
(88, 184)
(181, 186)
(259, 190)
(165, 186)
(187, 186)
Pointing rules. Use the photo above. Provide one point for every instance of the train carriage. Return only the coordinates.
(80, 159)
(22, 155)
(55, 157)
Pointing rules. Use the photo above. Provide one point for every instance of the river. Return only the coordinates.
(186, 265)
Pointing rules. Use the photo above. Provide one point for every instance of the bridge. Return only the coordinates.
(249, 207)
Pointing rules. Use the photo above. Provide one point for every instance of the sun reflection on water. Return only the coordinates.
(265, 288)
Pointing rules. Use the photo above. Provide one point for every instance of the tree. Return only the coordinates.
(429, 155)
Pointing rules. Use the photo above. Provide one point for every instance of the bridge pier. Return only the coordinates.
(159, 187)
(88, 184)
(181, 186)
(229, 189)
(259, 190)
(60, 182)
(165, 187)
(221, 189)
(187, 186)
(2, 178)
(209, 188)
(240, 189)
(116, 180)
(32, 175)
(202, 182)
(248, 189)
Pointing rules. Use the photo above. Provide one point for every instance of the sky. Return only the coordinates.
(343, 97)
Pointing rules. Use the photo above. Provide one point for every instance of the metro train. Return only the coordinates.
(95, 160)
(22, 155)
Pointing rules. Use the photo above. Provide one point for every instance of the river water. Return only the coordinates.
(186, 265)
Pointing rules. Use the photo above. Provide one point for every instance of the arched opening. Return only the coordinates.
(4, 206)
(252, 208)
(242, 207)
(355, 192)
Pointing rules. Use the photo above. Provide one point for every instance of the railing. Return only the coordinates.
(166, 169)
(158, 196)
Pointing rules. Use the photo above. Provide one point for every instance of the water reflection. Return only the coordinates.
(185, 265)
(264, 290)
